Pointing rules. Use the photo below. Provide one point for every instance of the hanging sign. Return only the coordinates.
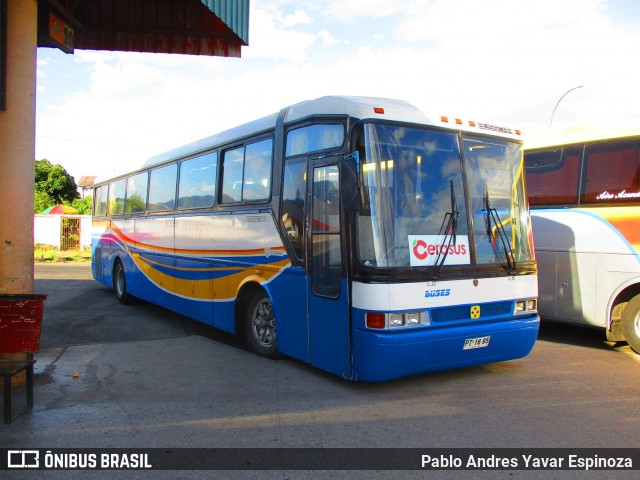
(60, 33)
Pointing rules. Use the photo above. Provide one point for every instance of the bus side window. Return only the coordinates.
(100, 201)
(313, 138)
(117, 191)
(612, 173)
(552, 177)
(232, 166)
(246, 172)
(257, 171)
(293, 198)
(197, 188)
(327, 254)
(162, 188)
(137, 193)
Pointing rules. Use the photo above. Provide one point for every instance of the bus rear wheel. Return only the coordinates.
(120, 284)
(260, 326)
(631, 323)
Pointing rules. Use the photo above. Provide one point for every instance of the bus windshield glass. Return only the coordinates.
(495, 169)
(412, 181)
(415, 212)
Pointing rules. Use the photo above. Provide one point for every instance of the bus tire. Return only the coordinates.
(120, 284)
(631, 323)
(260, 326)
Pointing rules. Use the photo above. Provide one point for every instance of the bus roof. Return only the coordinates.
(362, 108)
(357, 107)
(581, 138)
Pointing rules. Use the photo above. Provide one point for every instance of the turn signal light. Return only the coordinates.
(375, 320)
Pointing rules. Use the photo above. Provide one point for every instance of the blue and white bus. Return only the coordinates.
(355, 234)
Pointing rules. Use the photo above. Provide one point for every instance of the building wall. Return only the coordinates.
(47, 229)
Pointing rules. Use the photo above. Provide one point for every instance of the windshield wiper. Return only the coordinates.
(449, 231)
(491, 215)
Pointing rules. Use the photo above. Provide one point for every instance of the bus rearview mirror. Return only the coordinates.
(350, 179)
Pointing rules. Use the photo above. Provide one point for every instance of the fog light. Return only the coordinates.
(396, 320)
(412, 318)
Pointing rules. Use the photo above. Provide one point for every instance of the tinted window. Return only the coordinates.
(162, 188)
(197, 187)
(552, 176)
(137, 193)
(116, 197)
(314, 137)
(612, 173)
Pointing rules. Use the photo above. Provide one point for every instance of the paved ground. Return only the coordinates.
(149, 378)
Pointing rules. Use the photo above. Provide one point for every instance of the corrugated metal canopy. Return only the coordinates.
(192, 27)
(234, 13)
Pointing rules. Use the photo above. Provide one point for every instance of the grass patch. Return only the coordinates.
(47, 253)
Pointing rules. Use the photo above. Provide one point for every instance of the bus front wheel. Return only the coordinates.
(631, 323)
(120, 284)
(260, 326)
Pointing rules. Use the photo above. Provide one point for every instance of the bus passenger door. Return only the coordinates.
(327, 290)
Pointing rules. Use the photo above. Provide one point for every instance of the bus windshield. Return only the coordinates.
(495, 172)
(415, 211)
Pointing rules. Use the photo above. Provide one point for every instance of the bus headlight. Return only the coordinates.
(412, 318)
(528, 305)
(396, 320)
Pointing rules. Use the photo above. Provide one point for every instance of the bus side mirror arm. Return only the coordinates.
(351, 185)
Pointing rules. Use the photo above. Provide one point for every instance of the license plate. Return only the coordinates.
(479, 342)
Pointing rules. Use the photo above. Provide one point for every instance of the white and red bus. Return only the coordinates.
(585, 205)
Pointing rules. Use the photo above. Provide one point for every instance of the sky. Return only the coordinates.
(554, 69)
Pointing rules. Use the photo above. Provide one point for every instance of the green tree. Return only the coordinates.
(83, 205)
(41, 200)
(53, 185)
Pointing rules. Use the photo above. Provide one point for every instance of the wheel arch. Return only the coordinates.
(117, 258)
(114, 265)
(623, 294)
(246, 290)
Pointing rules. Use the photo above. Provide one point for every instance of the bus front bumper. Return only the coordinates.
(386, 355)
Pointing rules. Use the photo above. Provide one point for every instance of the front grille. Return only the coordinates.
(459, 313)
(97, 262)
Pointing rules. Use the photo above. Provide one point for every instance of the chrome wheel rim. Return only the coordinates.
(264, 324)
(120, 281)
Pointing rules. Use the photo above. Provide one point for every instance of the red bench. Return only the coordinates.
(20, 326)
